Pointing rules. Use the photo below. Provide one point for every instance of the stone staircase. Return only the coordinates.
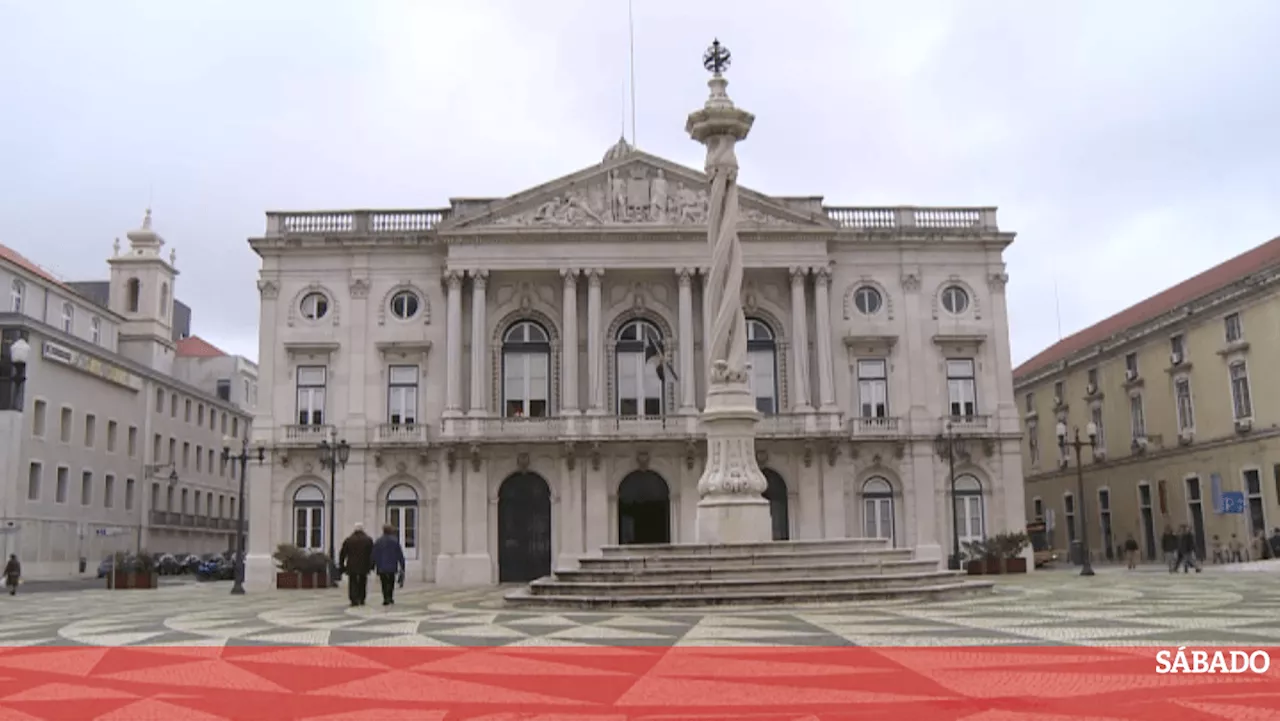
(780, 572)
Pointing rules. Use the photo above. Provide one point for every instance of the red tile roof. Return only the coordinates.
(197, 347)
(1219, 276)
(18, 259)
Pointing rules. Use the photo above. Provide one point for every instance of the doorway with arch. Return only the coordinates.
(644, 509)
(403, 514)
(524, 528)
(779, 513)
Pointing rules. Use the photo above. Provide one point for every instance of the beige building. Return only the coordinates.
(107, 448)
(1183, 392)
(520, 378)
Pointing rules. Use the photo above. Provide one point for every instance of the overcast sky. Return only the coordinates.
(1129, 144)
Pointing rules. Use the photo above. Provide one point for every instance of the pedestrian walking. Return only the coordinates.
(1187, 551)
(13, 574)
(1235, 551)
(388, 559)
(356, 561)
(1131, 552)
(1219, 552)
(1169, 544)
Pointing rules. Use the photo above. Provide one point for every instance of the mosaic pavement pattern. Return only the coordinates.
(1057, 608)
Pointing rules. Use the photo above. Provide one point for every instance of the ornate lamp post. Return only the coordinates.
(243, 458)
(948, 445)
(1074, 442)
(333, 455)
(16, 375)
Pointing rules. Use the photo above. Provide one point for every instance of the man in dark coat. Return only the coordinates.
(12, 574)
(356, 560)
(388, 559)
(1169, 544)
(1187, 557)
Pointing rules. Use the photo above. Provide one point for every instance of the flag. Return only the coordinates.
(656, 352)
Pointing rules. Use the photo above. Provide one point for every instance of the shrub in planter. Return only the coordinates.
(977, 555)
(299, 568)
(1011, 546)
(133, 572)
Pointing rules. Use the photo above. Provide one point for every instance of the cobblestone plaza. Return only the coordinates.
(1146, 608)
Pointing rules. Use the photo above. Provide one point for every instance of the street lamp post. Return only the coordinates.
(949, 445)
(19, 353)
(333, 455)
(1074, 442)
(237, 589)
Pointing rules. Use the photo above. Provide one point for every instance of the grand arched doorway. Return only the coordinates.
(524, 528)
(776, 494)
(644, 509)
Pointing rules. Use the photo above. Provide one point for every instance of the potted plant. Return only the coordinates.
(975, 554)
(1011, 549)
(289, 562)
(315, 571)
(133, 572)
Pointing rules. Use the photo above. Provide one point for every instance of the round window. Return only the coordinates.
(955, 300)
(404, 304)
(867, 300)
(314, 306)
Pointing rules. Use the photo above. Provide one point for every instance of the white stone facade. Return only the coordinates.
(443, 407)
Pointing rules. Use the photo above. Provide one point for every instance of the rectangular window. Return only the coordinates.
(962, 388)
(1178, 346)
(1033, 442)
(186, 411)
(185, 507)
(35, 476)
(156, 443)
(155, 497)
(1095, 415)
(199, 458)
(200, 414)
(113, 429)
(109, 491)
(1253, 498)
(1137, 418)
(186, 455)
(60, 489)
(173, 405)
(1186, 413)
(873, 388)
(209, 465)
(129, 490)
(173, 451)
(168, 499)
(90, 430)
(1069, 508)
(86, 488)
(213, 419)
(311, 387)
(1060, 391)
(1031, 403)
(224, 424)
(402, 395)
(224, 389)
(235, 427)
(763, 376)
(38, 411)
(1241, 402)
(1092, 378)
(159, 400)
(1131, 364)
(133, 441)
(1037, 508)
(525, 387)
(65, 425)
(1234, 331)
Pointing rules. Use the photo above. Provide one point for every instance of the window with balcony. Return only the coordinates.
(641, 378)
(1131, 365)
(68, 318)
(1033, 443)
(16, 294)
(1091, 378)
(1241, 400)
(402, 395)
(1186, 410)
(1137, 418)
(1059, 392)
(311, 391)
(762, 354)
(526, 371)
(873, 388)
(1178, 348)
(1234, 331)
(962, 388)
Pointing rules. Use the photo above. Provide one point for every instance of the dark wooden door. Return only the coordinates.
(644, 509)
(776, 494)
(524, 529)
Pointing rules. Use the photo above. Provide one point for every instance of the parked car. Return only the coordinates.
(169, 565)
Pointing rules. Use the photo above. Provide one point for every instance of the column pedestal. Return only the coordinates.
(732, 508)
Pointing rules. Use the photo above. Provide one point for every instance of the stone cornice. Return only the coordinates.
(1246, 289)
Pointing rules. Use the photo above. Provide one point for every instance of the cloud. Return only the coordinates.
(1129, 145)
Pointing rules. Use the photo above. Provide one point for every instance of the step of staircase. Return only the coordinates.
(780, 572)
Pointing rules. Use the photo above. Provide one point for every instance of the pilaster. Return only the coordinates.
(479, 341)
(570, 354)
(568, 521)
(688, 405)
(800, 343)
(826, 369)
(453, 345)
(595, 342)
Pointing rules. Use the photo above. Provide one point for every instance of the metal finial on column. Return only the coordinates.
(717, 58)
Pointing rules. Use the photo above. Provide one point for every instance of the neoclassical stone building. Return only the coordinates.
(520, 378)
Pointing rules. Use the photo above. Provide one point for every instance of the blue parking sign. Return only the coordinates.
(1233, 502)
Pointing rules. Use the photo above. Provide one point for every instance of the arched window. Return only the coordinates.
(308, 518)
(762, 354)
(133, 289)
(877, 509)
(18, 292)
(95, 330)
(639, 362)
(164, 300)
(402, 515)
(970, 513)
(68, 318)
(526, 371)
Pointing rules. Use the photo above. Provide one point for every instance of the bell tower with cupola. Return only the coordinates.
(142, 292)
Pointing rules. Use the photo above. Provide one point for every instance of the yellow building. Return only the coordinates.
(1184, 392)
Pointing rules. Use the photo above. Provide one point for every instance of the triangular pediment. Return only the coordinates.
(637, 189)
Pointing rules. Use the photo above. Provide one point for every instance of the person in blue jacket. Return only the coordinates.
(388, 560)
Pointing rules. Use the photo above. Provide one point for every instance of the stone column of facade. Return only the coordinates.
(479, 340)
(453, 345)
(569, 355)
(260, 512)
(731, 506)
(822, 318)
(595, 343)
(687, 383)
(799, 343)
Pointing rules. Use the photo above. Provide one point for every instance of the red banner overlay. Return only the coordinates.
(618, 683)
